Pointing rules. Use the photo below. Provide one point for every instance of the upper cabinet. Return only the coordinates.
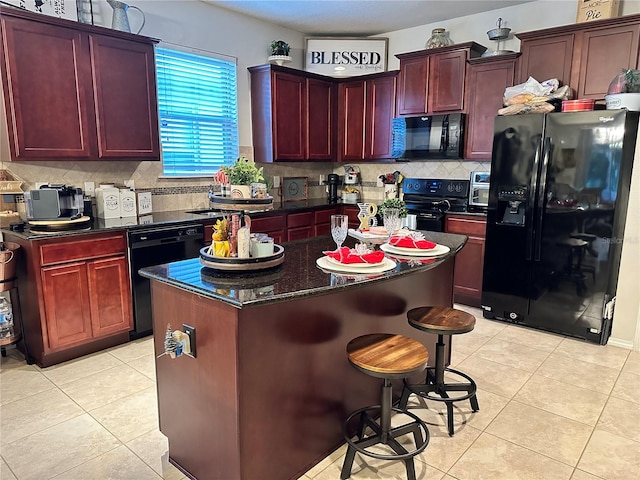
(433, 80)
(75, 91)
(366, 109)
(487, 79)
(293, 115)
(585, 56)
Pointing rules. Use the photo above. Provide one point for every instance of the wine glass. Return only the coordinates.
(391, 218)
(339, 226)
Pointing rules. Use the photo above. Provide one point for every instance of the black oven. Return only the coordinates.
(430, 198)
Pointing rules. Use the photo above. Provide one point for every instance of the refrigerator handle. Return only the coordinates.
(541, 202)
(531, 204)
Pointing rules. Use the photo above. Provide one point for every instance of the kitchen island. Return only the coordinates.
(270, 386)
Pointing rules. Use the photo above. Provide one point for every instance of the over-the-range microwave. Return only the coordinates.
(428, 137)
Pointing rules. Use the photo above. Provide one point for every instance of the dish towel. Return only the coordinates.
(348, 255)
(411, 241)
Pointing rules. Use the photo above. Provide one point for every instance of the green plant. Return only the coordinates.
(631, 80)
(394, 203)
(279, 47)
(243, 172)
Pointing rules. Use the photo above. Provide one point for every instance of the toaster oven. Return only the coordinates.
(479, 192)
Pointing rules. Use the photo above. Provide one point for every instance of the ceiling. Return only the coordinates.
(358, 17)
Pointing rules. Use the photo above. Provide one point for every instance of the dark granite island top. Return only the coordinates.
(297, 277)
(270, 387)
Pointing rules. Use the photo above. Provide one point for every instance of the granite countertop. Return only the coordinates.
(98, 225)
(296, 277)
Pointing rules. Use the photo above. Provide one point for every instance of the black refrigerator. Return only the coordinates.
(557, 207)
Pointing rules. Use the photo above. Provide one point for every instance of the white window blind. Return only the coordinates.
(197, 103)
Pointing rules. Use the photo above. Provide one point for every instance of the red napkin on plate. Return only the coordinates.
(406, 241)
(347, 255)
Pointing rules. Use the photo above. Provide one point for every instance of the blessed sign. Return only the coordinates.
(346, 57)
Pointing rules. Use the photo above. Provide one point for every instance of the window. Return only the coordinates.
(197, 103)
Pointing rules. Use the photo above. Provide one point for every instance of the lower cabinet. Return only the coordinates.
(467, 281)
(300, 225)
(100, 306)
(75, 294)
(274, 225)
(322, 221)
(352, 213)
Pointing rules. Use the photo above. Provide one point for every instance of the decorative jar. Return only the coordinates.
(439, 38)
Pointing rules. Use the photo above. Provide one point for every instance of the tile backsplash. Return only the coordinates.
(191, 193)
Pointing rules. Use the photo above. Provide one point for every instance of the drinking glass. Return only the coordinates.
(339, 227)
(391, 218)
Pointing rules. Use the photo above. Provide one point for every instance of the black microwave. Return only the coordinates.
(428, 137)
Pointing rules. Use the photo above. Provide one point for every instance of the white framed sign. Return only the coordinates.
(55, 8)
(346, 57)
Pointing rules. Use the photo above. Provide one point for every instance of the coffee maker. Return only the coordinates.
(332, 182)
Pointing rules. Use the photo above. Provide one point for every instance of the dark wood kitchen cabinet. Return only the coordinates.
(75, 91)
(433, 80)
(293, 115)
(322, 221)
(273, 225)
(467, 278)
(585, 56)
(487, 78)
(366, 109)
(75, 294)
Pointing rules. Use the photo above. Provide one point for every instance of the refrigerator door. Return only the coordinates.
(575, 221)
(516, 161)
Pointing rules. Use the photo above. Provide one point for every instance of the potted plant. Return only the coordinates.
(241, 175)
(394, 203)
(624, 90)
(279, 52)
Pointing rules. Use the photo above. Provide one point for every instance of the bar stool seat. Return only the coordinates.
(442, 321)
(386, 356)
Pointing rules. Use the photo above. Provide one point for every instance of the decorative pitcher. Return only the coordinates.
(119, 21)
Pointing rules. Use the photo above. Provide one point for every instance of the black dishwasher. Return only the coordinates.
(153, 246)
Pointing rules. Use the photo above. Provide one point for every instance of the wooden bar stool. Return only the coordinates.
(441, 321)
(386, 356)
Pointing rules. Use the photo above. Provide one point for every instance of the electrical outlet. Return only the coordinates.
(90, 189)
(276, 181)
(191, 331)
(321, 180)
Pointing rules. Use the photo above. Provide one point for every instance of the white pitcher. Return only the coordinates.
(119, 20)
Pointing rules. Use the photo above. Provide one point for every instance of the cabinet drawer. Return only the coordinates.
(466, 226)
(300, 219)
(82, 248)
(324, 216)
(268, 224)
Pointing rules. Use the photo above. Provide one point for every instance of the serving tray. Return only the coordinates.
(242, 264)
(251, 204)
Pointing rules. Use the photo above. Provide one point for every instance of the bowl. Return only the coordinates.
(580, 105)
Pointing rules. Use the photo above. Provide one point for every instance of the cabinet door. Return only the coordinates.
(413, 85)
(109, 296)
(446, 89)
(289, 116)
(300, 233)
(381, 94)
(352, 213)
(351, 99)
(486, 84)
(604, 53)
(545, 58)
(66, 301)
(468, 270)
(321, 121)
(47, 96)
(125, 98)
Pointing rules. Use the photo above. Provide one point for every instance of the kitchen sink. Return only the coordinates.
(209, 212)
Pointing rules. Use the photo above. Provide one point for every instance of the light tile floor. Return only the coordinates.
(550, 408)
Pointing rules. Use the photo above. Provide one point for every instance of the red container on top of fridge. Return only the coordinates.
(580, 105)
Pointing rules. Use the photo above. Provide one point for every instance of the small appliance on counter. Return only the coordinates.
(479, 192)
(333, 179)
(54, 202)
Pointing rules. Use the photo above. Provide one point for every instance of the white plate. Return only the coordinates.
(385, 265)
(355, 266)
(416, 252)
